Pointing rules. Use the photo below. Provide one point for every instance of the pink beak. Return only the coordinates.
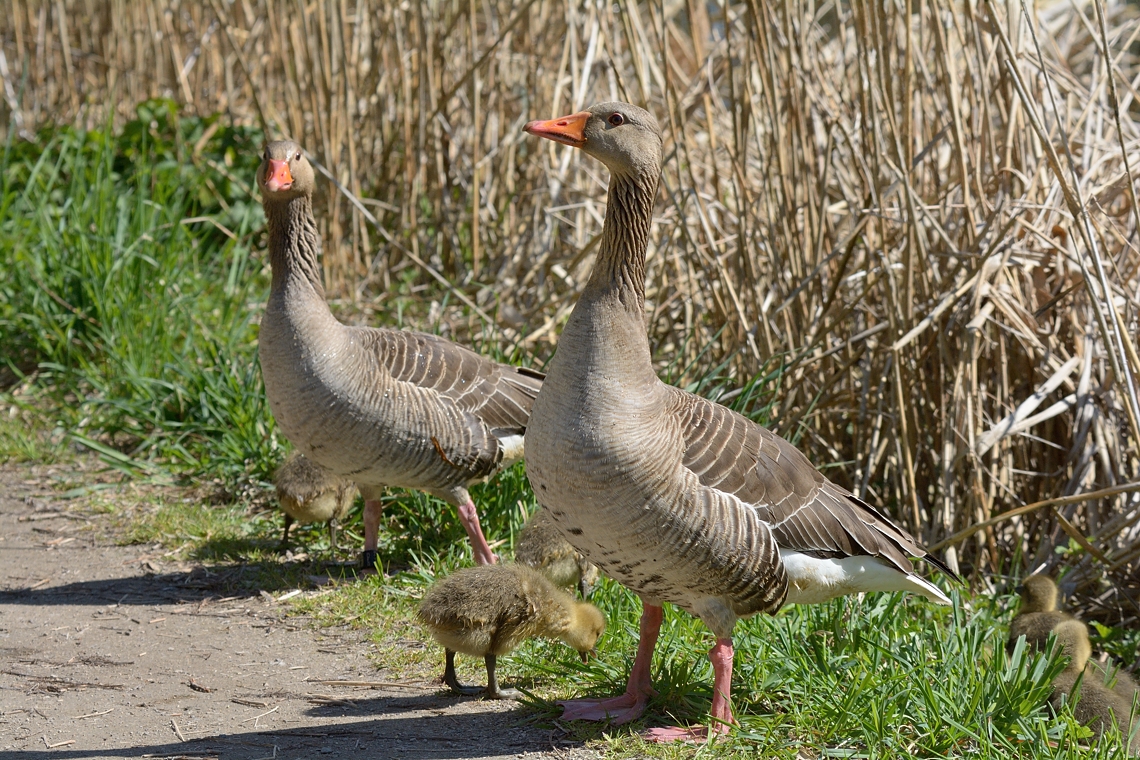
(278, 177)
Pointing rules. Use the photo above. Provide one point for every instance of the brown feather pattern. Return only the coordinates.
(374, 404)
(805, 511)
(676, 497)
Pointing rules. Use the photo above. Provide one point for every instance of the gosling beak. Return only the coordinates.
(568, 130)
(278, 177)
(585, 657)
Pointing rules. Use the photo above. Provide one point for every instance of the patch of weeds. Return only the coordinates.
(28, 434)
(1121, 643)
(386, 607)
(415, 523)
(97, 228)
(202, 532)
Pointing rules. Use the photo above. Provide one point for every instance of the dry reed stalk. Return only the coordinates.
(855, 194)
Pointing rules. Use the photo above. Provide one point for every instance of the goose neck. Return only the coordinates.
(294, 244)
(620, 268)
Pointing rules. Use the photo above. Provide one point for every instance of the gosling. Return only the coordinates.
(1038, 614)
(1116, 679)
(1097, 706)
(309, 493)
(488, 610)
(542, 547)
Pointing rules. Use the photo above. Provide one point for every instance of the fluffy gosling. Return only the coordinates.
(542, 547)
(308, 493)
(1097, 706)
(1038, 614)
(488, 610)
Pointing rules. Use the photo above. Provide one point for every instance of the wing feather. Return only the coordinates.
(499, 395)
(806, 512)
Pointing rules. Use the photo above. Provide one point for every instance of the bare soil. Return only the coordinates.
(112, 651)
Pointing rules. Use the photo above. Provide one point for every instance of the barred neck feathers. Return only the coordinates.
(294, 244)
(620, 267)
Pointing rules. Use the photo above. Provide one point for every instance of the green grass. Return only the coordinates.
(888, 676)
(134, 313)
(885, 676)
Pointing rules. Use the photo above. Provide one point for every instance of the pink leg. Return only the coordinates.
(470, 519)
(631, 705)
(372, 511)
(721, 711)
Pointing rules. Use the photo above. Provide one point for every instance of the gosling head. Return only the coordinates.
(622, 136)
(284, 173)
(1073, 639)
(587, 623)
(1038, 594)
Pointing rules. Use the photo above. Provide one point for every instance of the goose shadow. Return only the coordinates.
(237, 580)
(436, 697)
(430, 737)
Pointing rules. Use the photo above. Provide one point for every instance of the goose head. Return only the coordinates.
(284, 173)
(1038, 594)
(622, 136)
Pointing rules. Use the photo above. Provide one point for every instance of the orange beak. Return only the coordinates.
(568, 130)
(278, 177)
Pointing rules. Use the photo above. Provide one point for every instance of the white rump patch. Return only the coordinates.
(512, 449)
(812, 580)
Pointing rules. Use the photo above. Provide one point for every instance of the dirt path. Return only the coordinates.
(113, 651)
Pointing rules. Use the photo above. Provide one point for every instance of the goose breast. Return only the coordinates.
(630, 507)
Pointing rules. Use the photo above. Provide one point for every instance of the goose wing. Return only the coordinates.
(500, 396)
(806, 512)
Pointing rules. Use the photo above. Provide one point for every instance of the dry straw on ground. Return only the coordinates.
(921, 212)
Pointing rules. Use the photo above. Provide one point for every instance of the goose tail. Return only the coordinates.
(923, 587)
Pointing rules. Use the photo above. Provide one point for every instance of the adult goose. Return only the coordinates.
(379, 407)
(679, 498)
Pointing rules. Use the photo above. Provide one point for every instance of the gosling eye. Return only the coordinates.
(616, 119)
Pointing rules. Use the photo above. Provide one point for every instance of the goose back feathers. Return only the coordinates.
(1096, 705)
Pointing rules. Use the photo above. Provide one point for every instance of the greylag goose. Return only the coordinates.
(309, 493)
(380, 407)
(1097, 706)
(542, 547)
(1038, 614)
(678, 498)
(488, 611)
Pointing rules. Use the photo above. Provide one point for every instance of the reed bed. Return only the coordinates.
(904, 233)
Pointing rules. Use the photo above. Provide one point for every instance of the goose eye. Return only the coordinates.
(297, 157)
(616, 119)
